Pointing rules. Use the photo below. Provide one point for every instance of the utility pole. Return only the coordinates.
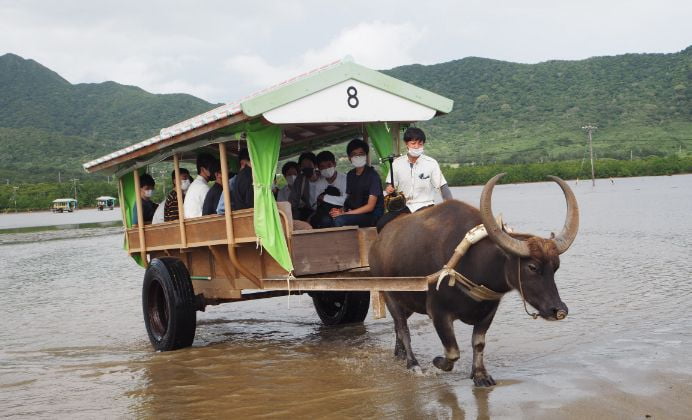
(630, 155)
(589, 129)
(59, 180)
(74, 182)
(14, 197)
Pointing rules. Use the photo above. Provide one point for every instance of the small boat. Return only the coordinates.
(64, 204)
(105, 202)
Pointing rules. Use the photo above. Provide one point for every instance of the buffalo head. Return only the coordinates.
(532, 272)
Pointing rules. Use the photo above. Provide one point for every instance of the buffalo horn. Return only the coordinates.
(495, 232)
(571, 227)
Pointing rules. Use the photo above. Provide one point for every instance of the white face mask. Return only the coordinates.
(290, 180)
(359, 161)
(415, 152)
(184, 184)
(148, 193)
(328, 172)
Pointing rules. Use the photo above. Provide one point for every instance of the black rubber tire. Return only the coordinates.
(339, 308)
(168, 303)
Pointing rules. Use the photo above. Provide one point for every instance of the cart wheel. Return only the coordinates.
(337, 308)
(168, 301)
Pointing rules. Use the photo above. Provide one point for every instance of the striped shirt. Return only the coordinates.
(170, 209)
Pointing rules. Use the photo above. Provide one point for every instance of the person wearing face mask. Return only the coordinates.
(170, 205)
(417, 176)
(330, 189)
(194, 199)
(146, 191)
(304, 194)
(364, 202)
(290, 173)
(211, 200)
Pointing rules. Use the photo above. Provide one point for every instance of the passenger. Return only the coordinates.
(417, 176)
(146, 190)
(290, 172)
(170, 210)
(242, 193)
(303, 194)
(330, 189)
(194, 199)
(211, 201)
(364, 203)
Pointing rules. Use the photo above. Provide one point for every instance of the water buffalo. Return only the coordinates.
(420, 244)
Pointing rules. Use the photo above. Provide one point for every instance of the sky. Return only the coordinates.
(222, 50)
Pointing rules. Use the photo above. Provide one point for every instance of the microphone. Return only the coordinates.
(389, 158)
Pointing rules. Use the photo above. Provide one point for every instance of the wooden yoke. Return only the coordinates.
(229, 219)
(140, 221)
(179, 195)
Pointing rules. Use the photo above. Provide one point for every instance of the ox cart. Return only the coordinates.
(62, 205)
(255, 253)
(105, 202)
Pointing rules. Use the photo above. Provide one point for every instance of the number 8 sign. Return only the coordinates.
(352, 100)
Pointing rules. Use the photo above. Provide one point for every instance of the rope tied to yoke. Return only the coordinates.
(475, 291)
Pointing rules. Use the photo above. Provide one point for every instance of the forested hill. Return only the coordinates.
(48, 124)
(504, 112)
(513, 112)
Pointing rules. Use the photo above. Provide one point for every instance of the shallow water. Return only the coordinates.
(74, 343)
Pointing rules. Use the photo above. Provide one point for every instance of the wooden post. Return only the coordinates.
(179, 195)
(230, 236)
(123, 210)
(379, 309)
(140, 221)
(366, 139)
(396, 144)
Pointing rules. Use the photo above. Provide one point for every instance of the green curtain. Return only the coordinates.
(264, 144)
(127, 205)
(381, 137)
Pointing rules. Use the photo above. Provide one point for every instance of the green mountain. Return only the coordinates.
(508, 112)
(48, 124)
(503, 112)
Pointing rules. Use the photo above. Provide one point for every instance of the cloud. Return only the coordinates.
(376, 44)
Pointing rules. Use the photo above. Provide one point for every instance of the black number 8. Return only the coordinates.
(352, 100)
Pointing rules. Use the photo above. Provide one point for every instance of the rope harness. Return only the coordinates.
(533, 315)
(477, 292)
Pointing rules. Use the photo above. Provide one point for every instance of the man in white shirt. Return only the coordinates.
(330, 189)
(194, 199)
(417, 176)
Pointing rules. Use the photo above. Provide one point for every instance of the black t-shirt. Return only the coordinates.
(242, 193)
(211, 200)
(360, 187)
(148, 210)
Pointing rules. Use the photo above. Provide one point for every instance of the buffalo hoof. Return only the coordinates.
(415, 369)
(443, 363)
(483, 379)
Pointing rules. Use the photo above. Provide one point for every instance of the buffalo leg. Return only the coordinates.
(445, 330)
(479, 375)
(403, 336)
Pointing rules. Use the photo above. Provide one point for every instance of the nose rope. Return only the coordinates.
(521, 291)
